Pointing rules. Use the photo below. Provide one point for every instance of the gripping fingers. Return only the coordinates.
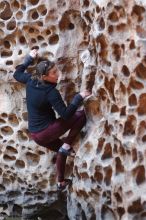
(33, 53)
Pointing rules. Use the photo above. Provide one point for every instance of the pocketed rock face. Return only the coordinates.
(98, 45)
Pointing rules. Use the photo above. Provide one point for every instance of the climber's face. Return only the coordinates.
(52, 76)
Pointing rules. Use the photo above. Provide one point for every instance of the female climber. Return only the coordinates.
(43, 100)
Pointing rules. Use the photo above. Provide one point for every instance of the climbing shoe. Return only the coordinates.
(63, 186)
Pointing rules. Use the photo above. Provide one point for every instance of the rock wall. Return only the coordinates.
(98, 45)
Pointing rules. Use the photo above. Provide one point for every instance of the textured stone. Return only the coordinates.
(100, 46)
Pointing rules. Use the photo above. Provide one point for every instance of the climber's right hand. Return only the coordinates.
(85, 94)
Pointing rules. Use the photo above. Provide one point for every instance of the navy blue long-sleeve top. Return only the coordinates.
(42, 99)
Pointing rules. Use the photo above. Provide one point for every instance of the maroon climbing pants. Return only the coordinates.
(50, 137)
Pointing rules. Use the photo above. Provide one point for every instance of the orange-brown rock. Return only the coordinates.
(98, 45)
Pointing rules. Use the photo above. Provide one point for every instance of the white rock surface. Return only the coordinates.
(98, 45)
